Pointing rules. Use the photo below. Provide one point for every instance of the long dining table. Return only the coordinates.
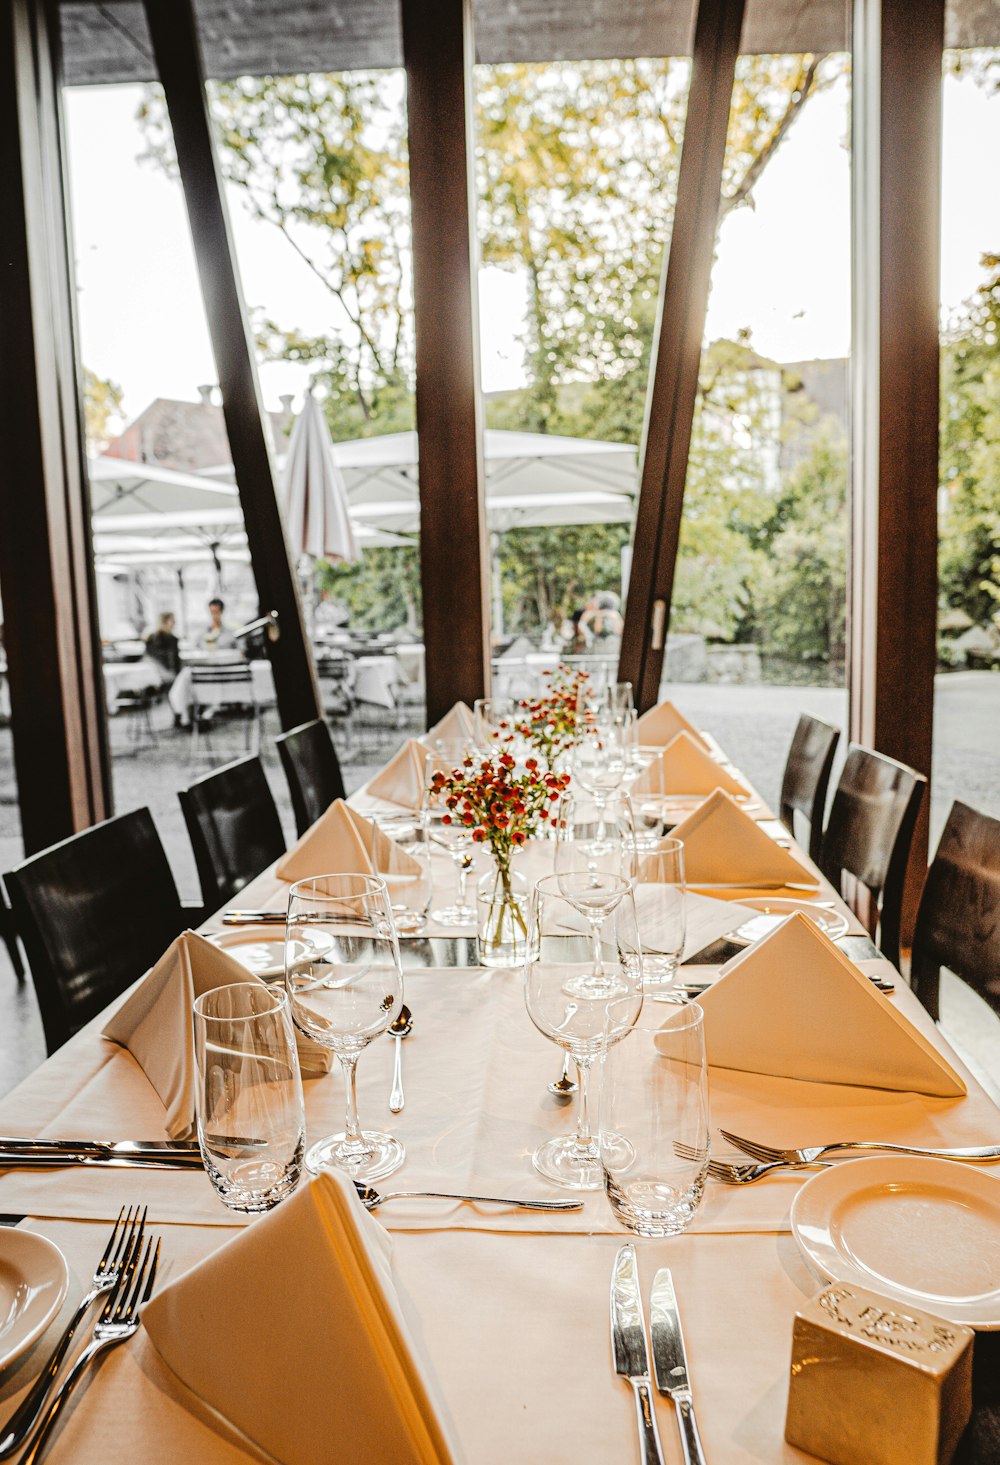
(511, 1307)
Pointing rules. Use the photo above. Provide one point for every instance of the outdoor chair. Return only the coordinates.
(958, 920)
(869, 834)
(216, 691)
(312, 768)
(807, 777)
(8, 935)
(94, 913)
(234, 828)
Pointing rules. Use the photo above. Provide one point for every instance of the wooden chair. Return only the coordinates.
(869, 834)
(94, 912)
(8, 935)
(234, 828)
(807, 777)
(312, 768)
(958, 920)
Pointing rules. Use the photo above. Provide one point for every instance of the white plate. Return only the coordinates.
(773, 911)
(33, 1282)
(924, 1232)
(261, 949)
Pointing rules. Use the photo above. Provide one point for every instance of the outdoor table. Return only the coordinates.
(512, 1306)
(145, 675)
(376, 679)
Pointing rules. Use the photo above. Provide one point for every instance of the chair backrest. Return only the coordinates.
(807, 777)
(234, 827)
(870, 831)
(312, 768)
(958, 921)
(93, 913)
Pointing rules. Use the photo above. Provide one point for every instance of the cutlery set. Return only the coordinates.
(631, 1355)
(124, 1276)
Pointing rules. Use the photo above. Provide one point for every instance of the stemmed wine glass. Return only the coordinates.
(452, 836)
(566, 1009)
(593, 836)
(595, 895)
(494, 723)
(345, 986)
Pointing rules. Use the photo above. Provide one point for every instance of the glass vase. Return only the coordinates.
(502, 909)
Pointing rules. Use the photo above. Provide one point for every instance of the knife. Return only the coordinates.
(255, 918)
(64, 1159)
(135, 1148)
(628, 1346)
(670, 1362)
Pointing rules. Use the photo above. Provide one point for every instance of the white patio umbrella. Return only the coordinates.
(315, 493)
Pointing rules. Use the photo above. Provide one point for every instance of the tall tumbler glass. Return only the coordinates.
(251, 1124)
(660, 906)
(654, 1117)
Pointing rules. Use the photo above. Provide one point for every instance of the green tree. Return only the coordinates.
(102, 407)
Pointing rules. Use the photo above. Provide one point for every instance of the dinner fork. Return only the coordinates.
(974, 1154)
(737, 1172)
(119, 1321)
(129, 1227)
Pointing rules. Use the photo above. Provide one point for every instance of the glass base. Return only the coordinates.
(594, 987)
(578, 1167)
(660, 981)
(455, 915)
(651, 1207)
(376, 1156)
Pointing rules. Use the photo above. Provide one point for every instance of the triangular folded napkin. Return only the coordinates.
(456, 726)
(155, 1024)
(723, 845)
(793, 1006)
(402, 779)
(294, 1331)
(660, 725)
(685, 768)
(343, 842)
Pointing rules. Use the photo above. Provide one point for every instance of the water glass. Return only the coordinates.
(653, 1107)
(448, 834)
(410, 890)
(494, 720)
(660, 906)
(248, 1095)
(345, 986)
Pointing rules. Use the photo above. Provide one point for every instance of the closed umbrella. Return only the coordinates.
(315, 493)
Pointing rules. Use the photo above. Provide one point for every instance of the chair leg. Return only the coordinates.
(9, 935)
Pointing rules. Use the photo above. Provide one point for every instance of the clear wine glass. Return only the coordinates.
(591, 835)
(450, 834)
(494, 723)
(565, 1009)
(345, 986)
(598, 765)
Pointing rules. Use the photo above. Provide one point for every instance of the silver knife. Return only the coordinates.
(628, 1345)
(64, 1159)
(132, 1148)
(670, 1362)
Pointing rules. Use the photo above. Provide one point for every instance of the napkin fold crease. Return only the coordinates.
(723, 845)
(661, 724)
(684, 767)
(401, 781)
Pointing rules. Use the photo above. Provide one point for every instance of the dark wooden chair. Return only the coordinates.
(8, 935)
(807, 777)
(958, 920)
(869, 834)
(94, 912)
(234, 827)
(312, 768)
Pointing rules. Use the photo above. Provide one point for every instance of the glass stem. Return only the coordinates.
(582, 1138)
(352, 1126)
(462, 862)
(595, 936)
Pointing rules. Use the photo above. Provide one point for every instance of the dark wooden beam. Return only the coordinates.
(46, 554)
(896, 111)
(174, 35)
(438, 50)
(676, 355)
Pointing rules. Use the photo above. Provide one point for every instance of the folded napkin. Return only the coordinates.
(793, 1006)
(723, 845)
(660, 725)
(455, 726)
(684, 767)
(155, 1024)
(294, 1331)
(402, 779)
(343, 842)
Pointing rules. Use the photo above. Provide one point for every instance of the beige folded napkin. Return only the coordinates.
(723, 845)
(343, 842)
(402, 779)
(661, 724)
(295, 1332)
(684, 767)
(155, 1024)
(455, 726)
(793, 1006)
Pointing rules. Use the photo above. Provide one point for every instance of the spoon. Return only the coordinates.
(371, 1198)
(564, 1086)
(399, 1029)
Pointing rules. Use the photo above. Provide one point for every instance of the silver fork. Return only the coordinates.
(736, 1172)
(119, 1321)
(974, 1154)
(129, 1227)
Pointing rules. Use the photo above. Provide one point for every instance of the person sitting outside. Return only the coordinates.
(163, 647)
(602, 618)
(217, 637)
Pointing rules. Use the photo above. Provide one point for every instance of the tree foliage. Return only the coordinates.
(102, 408)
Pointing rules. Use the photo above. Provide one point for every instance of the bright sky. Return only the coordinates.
(783, 267)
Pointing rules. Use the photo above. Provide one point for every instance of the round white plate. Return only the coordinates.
(774, 911)
(33, 1282)
(261, 949)
(925, 1232)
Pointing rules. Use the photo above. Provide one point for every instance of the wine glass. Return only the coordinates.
(660, 910)
(494, 723)
(598, 765)
(565, 1010)
(345, 986)
(450, 834)
(619, 701)
(592, 835)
